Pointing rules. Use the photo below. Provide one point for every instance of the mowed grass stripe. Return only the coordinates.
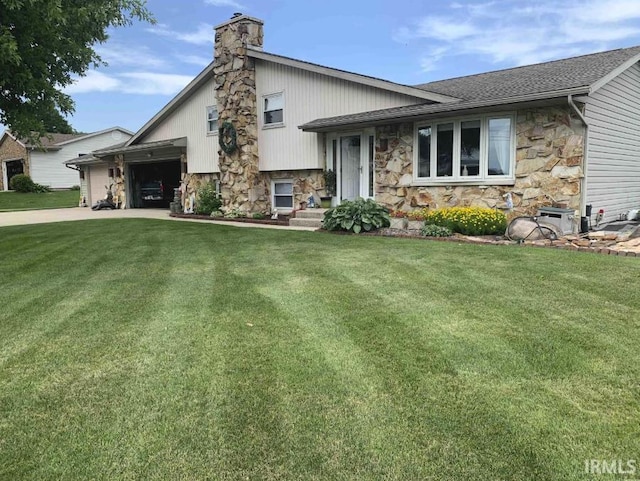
(198, 351)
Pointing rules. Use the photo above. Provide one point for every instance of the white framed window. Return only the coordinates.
(212, 120)
(479, 149)
(273, 109)
(282, 194)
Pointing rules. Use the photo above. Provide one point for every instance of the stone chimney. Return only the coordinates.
(242, 186)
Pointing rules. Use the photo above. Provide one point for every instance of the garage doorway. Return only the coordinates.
(13, 168)
(152, 183)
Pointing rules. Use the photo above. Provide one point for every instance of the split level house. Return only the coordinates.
(44, 161)
(561, 132)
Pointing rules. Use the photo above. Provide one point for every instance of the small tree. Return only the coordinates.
(207, 200)
(42, 44)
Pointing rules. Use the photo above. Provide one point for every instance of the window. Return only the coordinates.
(282, 194)
(465, 150)
(212, 120)
(274, 109)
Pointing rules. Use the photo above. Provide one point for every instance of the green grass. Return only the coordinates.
(140, 349)
(10, 201)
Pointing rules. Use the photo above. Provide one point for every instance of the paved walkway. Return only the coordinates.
(84, 213)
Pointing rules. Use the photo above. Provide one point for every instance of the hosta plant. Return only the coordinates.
(356, 216)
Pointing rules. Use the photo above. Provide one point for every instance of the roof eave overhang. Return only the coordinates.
(165, 144)
(450, 110)
(350, 76)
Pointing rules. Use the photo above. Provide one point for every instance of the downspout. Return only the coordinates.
(583, 187)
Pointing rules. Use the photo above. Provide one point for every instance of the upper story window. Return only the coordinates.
(274, 109)
(212, 120)
(465, 150)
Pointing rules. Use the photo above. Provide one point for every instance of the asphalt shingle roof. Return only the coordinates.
(51, 140)
(538, 78)
(501, 87)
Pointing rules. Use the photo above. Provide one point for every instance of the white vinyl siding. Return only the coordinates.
(613, 160)
(47, 168)
(309, 96)
(187, 121)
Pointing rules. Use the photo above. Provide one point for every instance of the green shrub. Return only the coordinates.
(258, 215)
(469, 220)
(75, 187)
(207, 200)
(23, 183)
(235, 214)
(432, 230)
(356, 216)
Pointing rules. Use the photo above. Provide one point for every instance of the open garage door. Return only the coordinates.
(152, 183)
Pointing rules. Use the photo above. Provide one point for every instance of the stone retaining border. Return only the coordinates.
(559, 244)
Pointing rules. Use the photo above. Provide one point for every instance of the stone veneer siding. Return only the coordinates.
(242, 185)
(549, 159)
(306, 183)
(10, 149)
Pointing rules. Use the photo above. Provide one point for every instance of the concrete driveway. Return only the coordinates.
(25, 217)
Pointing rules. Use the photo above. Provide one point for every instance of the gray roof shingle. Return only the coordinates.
(532, 82)
(538, 78)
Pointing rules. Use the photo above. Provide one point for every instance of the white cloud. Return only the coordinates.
(199, 60)
(203, 35)
(138, 83)
(148, 83)
(94, 81)
(224, 3)
(504, 32)
(119, 55)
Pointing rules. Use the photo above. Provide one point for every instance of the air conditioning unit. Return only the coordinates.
(561, 218)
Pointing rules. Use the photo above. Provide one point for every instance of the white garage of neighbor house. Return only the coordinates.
(45, 163)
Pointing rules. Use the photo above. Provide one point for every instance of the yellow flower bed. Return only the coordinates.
(469, 220)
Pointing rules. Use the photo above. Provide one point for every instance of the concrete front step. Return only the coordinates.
(302, 222)
(310, 213)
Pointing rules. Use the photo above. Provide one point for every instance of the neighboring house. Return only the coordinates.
(44, 163)
(562, 132)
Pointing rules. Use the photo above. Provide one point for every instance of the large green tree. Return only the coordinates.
(54, 122)
(43, 43)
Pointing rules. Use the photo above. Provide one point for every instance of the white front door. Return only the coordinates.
(350, 167)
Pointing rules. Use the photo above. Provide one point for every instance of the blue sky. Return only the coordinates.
(406, 41)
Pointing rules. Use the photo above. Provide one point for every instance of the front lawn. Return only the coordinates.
(141, 349)
(57, 199)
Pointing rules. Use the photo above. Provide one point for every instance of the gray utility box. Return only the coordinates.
(561, 218)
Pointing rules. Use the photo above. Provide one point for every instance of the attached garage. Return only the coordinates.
(151, 184)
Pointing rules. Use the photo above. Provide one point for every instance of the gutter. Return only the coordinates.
(585, 156)
(412, 113)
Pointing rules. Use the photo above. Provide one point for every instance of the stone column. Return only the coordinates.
(242, 185)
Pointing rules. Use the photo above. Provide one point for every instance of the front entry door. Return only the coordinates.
(350, 167)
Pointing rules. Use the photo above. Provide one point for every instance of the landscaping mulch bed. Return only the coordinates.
(605, 246)
(282, 220)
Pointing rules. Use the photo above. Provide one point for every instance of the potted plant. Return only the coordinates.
(329, 187)
(398, 219)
